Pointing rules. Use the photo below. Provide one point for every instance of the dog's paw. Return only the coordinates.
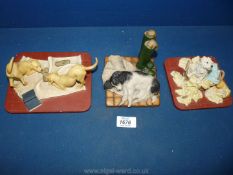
(154, 98)
(121, 103)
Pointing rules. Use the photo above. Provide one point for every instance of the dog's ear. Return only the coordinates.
(107, 85)
(115, 78)
(155, 87)
(116, 74)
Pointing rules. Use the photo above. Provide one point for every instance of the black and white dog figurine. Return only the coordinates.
(136, 86)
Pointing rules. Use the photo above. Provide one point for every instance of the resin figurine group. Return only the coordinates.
(16, 71)
(128, 81)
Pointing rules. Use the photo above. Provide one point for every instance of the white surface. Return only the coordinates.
(126, 122)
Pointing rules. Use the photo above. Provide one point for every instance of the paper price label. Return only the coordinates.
(126, 122)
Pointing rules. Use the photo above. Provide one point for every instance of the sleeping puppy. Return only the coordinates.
(136, 86)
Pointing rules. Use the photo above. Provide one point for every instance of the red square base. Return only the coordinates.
(171, 64)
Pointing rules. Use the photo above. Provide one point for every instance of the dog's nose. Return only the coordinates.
(212, 66)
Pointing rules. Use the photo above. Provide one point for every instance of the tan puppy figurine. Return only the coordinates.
(60, 81)
(79, 71)
(17, 70)
(76, 74)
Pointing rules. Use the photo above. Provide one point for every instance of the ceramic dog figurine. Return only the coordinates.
(17, 70)
(79, 71)
(76, 73)
(60, 81)
(198, 68)
(136, 86)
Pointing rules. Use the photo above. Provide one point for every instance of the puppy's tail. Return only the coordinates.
(9, 66)
(92, 67)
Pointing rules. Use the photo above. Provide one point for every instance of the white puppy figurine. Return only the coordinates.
(199, 67)
(207, 63)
